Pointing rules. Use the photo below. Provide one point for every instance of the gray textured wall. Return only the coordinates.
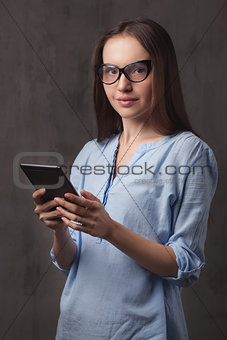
(46, 105)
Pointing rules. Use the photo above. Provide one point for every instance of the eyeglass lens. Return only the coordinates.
(135, 72)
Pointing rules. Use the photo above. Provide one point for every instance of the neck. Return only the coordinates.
(136, 133)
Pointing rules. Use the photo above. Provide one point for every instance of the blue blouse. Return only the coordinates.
(163, 194)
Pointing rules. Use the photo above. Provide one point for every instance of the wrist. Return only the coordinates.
(62, 230)
(112, 231)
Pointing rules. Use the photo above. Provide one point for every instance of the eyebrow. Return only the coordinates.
(133, 62)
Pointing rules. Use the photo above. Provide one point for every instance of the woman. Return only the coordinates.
(136, 234)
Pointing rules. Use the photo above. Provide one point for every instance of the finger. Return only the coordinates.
(37, 196)
(89, 195)
(70, 216)
(51, 215)
(53, 223)
(72, 207)
(78, 227)
(47, 206)
(81, 201)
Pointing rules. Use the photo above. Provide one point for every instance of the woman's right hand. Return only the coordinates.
(46, 212)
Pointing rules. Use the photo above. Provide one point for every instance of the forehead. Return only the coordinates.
(122, 49)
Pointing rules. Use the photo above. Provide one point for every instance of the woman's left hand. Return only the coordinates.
(87, 210)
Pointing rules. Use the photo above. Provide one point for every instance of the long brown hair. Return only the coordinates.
(168, 114)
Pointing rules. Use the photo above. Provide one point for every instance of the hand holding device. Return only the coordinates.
(56, 183)
(47, 211)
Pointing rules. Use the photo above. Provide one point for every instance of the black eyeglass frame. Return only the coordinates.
(148, 63)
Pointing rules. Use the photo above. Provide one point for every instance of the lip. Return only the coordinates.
(126, 101)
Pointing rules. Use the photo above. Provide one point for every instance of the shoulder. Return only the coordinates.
(98, 146)
(191, 148)
(195, 157)
(94, 147)
(188, 140)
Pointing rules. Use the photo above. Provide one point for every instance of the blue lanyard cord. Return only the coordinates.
(79, 251)
(105, 196)
(107, 189)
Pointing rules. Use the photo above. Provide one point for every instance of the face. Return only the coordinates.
(130, 100)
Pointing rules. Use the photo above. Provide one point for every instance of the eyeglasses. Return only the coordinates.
(134, 72)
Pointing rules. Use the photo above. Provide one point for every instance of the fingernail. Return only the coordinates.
(58, 199)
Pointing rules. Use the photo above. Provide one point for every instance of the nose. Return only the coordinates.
(123, 84)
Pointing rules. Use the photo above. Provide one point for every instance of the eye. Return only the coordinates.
(139, 70)
(111, 71)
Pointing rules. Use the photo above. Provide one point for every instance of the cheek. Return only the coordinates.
(147, 91)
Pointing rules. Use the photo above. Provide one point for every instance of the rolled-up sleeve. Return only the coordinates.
(191, 215)
(54, 261)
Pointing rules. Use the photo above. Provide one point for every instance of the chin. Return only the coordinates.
(127, 114)
(131, 117)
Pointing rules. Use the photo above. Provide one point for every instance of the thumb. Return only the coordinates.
(89, 195)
